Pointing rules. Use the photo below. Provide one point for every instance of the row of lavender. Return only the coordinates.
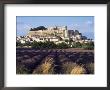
(34, 61)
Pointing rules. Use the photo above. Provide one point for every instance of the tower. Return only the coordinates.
(66, 32)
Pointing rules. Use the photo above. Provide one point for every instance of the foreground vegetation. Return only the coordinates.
(53, 61)
(52, 45)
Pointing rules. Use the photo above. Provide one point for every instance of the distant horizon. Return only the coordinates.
(84, 24)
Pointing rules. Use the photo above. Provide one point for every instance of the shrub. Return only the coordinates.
(77, 45)
(62, 45)
(36, 44)
(78, 70)
(49, 60)
(19, 44)
(49, 45)
(44, 68)
(21, 69)
(72, 68)
(90, 68)
(41, 45)
(89, 46)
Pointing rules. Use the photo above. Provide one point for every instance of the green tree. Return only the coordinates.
(41, 45)
(35, 44)
(19, 44)
(62, 45)
(77, 45)
(89, 46)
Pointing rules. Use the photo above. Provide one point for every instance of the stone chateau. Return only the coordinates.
(57, 34)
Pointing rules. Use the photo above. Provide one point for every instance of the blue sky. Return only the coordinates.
(85, 24)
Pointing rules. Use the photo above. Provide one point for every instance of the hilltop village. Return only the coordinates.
(57, 34)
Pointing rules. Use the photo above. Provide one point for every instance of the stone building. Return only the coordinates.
(49, 32)
(57, 34)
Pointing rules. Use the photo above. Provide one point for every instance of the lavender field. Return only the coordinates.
(54, 61)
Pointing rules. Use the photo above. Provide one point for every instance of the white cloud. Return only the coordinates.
(27, 26)
(73, 26)
(89, 22)
(76, 25)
